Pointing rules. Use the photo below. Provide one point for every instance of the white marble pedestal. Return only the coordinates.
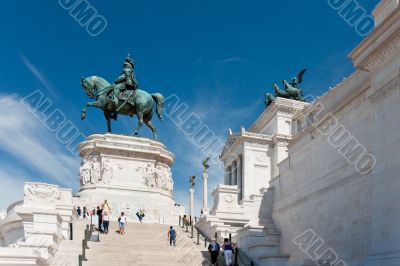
(131, 173)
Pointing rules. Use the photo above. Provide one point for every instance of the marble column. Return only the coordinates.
(240, 177)
(191, 202)
(227, 176)
(205, 209)
(234, 173)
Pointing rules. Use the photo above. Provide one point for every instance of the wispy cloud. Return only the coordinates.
(11, 189)
(233, 59)
(36, 72)
(26, 140)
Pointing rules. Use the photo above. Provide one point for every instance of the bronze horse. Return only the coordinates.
(138, 102)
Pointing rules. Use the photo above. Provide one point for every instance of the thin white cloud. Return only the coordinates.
(28, 141)
(11, 189)
(35, 71)
(233, 59)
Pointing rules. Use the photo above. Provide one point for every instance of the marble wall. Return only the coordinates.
(321, 189)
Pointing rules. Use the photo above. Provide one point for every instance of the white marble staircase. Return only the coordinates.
(262, 243)
(68, 251)
(143, 244)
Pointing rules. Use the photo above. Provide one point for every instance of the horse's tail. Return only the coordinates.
(159, 99)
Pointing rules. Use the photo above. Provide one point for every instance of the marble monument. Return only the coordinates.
(318, 184)
(131, 173)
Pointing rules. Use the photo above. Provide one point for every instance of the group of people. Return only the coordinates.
(227, 251)
(214, 248)
(83, 213)
(103, 216)
(100, 216)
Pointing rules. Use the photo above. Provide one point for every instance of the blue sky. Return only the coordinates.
(219, 57)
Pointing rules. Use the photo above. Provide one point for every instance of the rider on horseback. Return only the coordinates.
(126, 81)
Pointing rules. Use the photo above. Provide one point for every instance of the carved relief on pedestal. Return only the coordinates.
(228, 198)
(96, 170)
(157, 176)
(107, 171)
(40, 192)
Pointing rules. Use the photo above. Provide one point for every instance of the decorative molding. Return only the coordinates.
(37, 193)
(379, 45)
(383, 54)
(281, 106)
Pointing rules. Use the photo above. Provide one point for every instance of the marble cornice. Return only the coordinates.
(285, 106)
(235, 140)
(378, 45)
(129, 146)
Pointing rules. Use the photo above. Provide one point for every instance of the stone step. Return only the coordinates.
(274, 260)
(258, 250)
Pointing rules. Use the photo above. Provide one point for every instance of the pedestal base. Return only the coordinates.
(131, 174)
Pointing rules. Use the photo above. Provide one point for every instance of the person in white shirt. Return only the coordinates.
(106, 222)
(122, 223)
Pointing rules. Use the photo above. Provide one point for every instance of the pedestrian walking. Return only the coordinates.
(79, 211)
(140, 215)
(214, 249)
(106, 222)
(99, 213)
(84, 212)
(172, 236)
(228, 251)
(122, 223)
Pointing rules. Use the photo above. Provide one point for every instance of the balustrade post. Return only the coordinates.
(236, 256)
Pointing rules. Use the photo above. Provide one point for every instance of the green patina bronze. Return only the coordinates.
(191, 181)
(292, 90)
(123, 97)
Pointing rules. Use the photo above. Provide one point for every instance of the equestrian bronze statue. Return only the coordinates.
(123, 97)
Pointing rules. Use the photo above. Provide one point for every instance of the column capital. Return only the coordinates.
(205, 175)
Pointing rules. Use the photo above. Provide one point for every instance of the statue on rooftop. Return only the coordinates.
(191, 181)
(292, 90)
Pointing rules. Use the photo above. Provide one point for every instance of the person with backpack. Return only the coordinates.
(122, 223)
(140, 215)
(214, 248)
(172, 236)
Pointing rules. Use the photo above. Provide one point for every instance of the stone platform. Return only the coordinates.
(131, 173)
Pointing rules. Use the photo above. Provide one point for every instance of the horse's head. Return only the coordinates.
(160, 104)
(88, 87)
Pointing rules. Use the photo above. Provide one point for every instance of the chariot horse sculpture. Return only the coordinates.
(130, 102)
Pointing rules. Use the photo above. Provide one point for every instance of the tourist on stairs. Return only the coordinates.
(106, 222)
(228, 251)
(214, 248)
(78, 211)
(172, 236)
(100, 217)
(122, 223)
(140, 215)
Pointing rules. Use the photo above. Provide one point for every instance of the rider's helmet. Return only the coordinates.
(129, 61)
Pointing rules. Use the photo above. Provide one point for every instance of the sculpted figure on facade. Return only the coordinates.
(84, 172)
(159, 177)
(95, 171)
(148, 175)
(107, 171)
(169, 183)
